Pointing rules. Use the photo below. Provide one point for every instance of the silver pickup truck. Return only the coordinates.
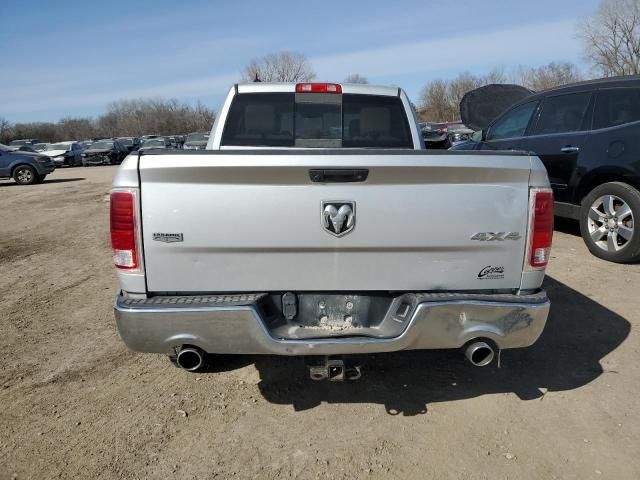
(316, 224)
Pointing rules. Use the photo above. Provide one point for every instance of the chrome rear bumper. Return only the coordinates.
(229, 324)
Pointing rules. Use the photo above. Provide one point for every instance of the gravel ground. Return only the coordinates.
(75, 403)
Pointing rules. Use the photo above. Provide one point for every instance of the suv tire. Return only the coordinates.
(610, 222)
(25, 175)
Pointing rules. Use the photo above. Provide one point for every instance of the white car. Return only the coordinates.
(64, 153)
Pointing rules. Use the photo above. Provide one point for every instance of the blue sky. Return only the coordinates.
(66, 58)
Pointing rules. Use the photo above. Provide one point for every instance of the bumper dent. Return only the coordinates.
(439, 321)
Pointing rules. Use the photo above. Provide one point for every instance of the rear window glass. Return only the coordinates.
(317, 120)
(374, 122)
(563, 113)
(617, 107)
(260, 119)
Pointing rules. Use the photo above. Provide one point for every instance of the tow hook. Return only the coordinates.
(334, 369)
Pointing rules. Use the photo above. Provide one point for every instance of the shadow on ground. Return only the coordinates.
(579, 333)
(11, 183)
(566, 225)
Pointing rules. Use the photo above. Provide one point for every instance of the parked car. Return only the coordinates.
(180, 140)
(458, 132)
(148, 137)
(586, 134)
(16, 144)
(328, 232)
(65, 153)
(132, 143)
(24, 148)
(25, 168)
(40, 147)
(104, 152)
(172, 140)
(435, 135)
(158, 142)
(196, 141)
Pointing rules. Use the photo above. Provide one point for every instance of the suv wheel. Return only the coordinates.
(25, 175)
(609, 225)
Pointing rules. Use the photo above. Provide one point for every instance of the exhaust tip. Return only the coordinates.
(480, 354)
(190, 358)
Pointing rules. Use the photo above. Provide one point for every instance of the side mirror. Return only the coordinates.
(478, 136)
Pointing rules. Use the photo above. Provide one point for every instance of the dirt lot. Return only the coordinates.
(75, 403)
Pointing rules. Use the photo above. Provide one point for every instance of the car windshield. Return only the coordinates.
(18, 143)
(101, 145)
(197, 137)
(58, 146)
(154, 143)
(125, 141)
(41, 146)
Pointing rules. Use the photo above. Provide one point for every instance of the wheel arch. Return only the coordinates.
(20, 164)
(604, 175)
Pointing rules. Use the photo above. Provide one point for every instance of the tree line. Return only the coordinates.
(440, 98)
(611, 47)
(122, 118)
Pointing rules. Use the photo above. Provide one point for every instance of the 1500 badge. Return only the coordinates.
(491, 273)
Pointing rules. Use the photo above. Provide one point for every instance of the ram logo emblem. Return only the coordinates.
(338, 217)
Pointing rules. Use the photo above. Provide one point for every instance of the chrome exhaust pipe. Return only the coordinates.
(479, 354)
(190, 358)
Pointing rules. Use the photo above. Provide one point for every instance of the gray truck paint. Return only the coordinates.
(252, 222)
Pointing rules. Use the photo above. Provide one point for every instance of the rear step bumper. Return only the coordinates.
(232, 324)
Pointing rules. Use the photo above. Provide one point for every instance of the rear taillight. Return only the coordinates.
(123, 229)
(541, 229)
(442, 131)
(318, 88)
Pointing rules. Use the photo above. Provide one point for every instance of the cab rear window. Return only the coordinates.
(316, 120)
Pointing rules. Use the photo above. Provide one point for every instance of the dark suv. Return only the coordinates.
(24, 167)
(588, 137)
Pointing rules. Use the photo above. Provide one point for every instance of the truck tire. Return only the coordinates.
(25, 175)
(610, 222)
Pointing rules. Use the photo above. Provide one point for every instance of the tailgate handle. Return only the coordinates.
(338, 175)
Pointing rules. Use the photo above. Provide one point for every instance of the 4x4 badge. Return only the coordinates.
(496, 236)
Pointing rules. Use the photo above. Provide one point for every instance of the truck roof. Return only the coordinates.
(290, 87)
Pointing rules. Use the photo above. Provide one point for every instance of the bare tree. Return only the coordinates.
(75, 129)
(123, 118)
(434, 105)
(355, 78)
(456, 90)
(611, 38)
(5, 130)
(497, 75)
(547, 76)
(156, 115)
(440, 99)
(279, 67)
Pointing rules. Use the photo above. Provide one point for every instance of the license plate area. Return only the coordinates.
(319, 315)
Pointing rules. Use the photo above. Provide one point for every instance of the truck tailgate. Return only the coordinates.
(247, 221)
